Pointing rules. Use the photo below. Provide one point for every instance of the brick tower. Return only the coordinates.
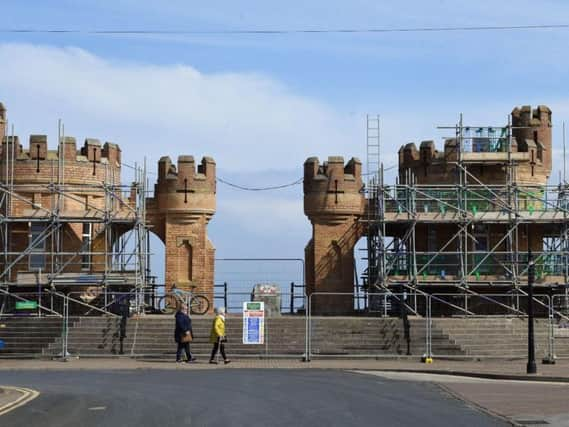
(35, 171)
(333, 202)
(183, 204)
(534, 137)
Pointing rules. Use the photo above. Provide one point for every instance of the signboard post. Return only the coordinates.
(253, 322)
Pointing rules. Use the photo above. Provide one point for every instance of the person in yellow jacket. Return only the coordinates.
(217, 336)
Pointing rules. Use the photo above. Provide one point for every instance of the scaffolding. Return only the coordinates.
(113, 254)
(466, 260)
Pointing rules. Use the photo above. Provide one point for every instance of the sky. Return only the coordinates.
(261, 104)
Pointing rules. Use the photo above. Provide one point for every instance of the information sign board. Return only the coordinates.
(253, 322)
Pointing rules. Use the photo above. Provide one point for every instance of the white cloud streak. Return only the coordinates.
(243, 120)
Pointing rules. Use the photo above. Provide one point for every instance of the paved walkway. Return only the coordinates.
(505, 369)
(519, 402)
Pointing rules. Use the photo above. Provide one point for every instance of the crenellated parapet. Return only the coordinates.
(81, 174)
(185, 189)
(93, 163)
(527, 121)
(532, 131)
(332, 190)
(172, 178)
(485, 151)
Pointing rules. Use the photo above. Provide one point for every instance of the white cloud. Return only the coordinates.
(247, 121)
(243, 120)
(260, 215)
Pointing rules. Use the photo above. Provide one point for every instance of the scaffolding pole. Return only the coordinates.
(405, 205)
(106, 225)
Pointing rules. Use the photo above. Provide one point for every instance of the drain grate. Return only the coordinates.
(532, 422)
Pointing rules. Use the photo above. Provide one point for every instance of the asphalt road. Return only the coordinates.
(236, 397)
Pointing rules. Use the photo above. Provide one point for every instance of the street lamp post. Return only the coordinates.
(531, 367)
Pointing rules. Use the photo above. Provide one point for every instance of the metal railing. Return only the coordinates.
(445, 199)
(480, 263)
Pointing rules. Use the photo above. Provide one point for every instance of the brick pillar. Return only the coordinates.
(183, 204)
(333, 203)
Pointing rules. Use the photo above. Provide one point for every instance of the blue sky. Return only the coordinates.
(260, 105)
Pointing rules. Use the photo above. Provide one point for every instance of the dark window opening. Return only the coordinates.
(37, 246)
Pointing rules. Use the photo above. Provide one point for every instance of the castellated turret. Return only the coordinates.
(33, 170)
(484, 152)
(183, 203)
(332, 191)
(334, 202)
(532, 131)
(185, 190)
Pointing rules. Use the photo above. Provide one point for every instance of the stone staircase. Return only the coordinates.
(440, 340)
(499, 337)
(374, 337)
(29, 336)
(285, 336)
(340, 336)
(152, 336)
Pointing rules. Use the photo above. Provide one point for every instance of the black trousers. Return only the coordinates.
(218, 346)
(185, 346)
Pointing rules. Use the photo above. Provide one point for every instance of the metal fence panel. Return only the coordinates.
(29, 325)
(560, 325)
(394, 325)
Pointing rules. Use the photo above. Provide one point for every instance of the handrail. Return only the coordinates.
(92, 307)
(129, 293)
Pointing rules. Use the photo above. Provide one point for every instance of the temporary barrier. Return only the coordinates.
(394, 325)
(560, 325)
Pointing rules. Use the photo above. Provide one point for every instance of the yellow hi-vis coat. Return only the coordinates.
(217, 329)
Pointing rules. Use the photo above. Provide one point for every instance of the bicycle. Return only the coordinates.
(197, 303)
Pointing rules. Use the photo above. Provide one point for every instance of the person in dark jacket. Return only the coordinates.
(183, 329)
(124, 311)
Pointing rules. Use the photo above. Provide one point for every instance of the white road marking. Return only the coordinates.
(98, 408)
(27, 396)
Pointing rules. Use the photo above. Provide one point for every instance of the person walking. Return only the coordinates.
(183, 334)
(217, 336)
